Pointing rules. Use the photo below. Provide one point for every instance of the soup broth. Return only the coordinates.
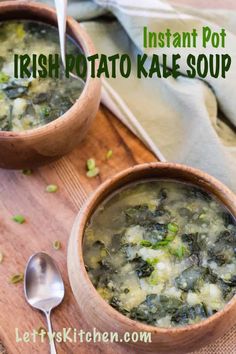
(29, 103)
(163, 253)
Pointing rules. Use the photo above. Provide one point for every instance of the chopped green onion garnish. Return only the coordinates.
(57, 245)
(170, 237)
(17, 278)
(172, 227)
(159, 244)
(145, 243)
(91, 164)
(152, 261)
(180, 252)
(93, 173)
(27, 172)
(109, 154)
(19, 219)
(1, 257)
(51, 188)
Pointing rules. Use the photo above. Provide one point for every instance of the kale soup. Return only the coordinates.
(162, 252)
(32, 102)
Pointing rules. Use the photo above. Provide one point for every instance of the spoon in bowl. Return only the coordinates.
(61, 9)
(44, 288)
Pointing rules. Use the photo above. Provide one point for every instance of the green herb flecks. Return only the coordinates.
(109, 154)
(92, 170)
(146, 243)
(91, 164)
(52, 188)
(152, 261)
(57, 245)
(20, 219)
(172, 227)
(93, 173)
(17, 278)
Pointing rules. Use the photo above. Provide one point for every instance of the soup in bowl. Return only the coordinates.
(154, 250)
(162, 252)
(41, 119)
(30, 102)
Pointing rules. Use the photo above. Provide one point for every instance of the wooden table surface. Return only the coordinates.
(49, 217)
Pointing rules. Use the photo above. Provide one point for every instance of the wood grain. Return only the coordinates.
(50, 217)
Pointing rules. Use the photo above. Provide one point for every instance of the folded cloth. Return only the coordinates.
(180, 120)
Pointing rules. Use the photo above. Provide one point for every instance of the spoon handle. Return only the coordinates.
(50, 333)
(61, 9)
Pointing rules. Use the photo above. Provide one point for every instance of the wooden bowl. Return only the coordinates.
(100, 314)
(51, 141)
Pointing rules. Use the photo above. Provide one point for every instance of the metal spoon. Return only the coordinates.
(44, 288)
(61, 9)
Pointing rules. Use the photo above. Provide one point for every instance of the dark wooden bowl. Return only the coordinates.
(101, 315)
(47, 143)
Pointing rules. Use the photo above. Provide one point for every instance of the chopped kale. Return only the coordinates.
(15, 88)
(185, 212)
(156, 232)
(163, 194)
(116, 304)
(210, 276)
(155, 307)
(105, 264)
(142, 267)
(190, 278)
(41, 97)
(228, 237)
(228, 219)
(194, 242)
(116, 242)
(219, 257)
(195, 192)
(99, 243)
(225, 288)
(232, 281)
(186, 313)
(139, 215)
(129, 250)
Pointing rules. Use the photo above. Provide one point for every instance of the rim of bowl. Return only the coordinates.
(84, 42)
(86, 212)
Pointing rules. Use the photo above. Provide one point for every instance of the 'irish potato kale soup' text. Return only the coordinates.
(31, 102)
(163, 253)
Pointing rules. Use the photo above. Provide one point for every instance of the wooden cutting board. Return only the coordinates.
(49, 217)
